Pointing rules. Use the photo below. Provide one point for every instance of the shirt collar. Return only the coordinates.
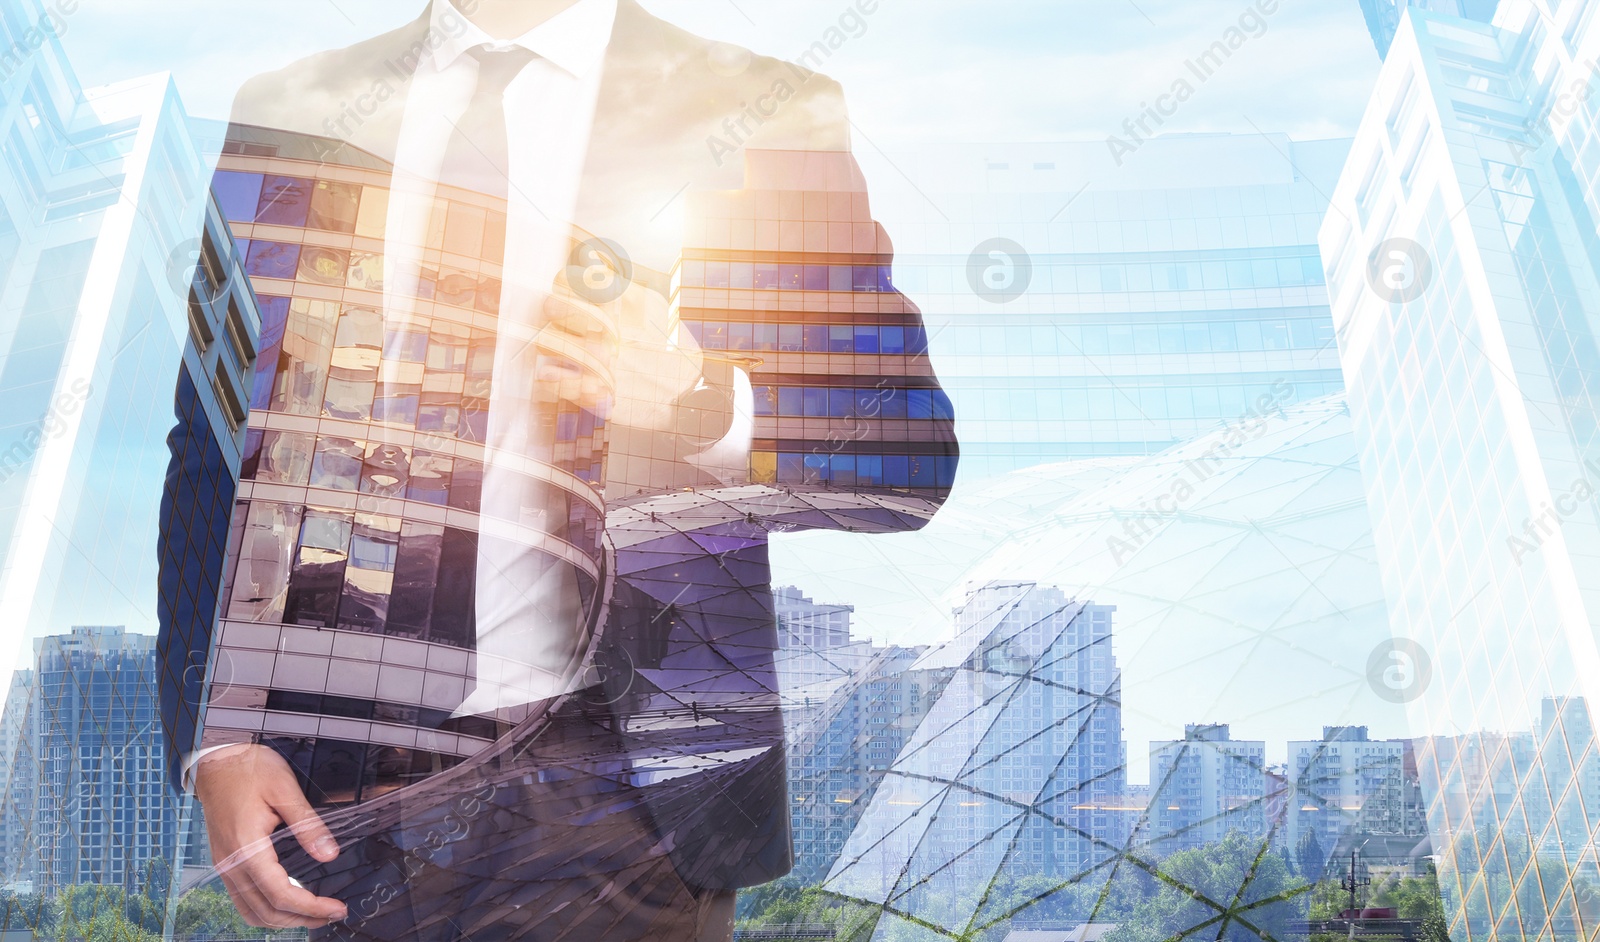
(574, 39)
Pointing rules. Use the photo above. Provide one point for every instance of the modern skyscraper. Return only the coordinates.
(1130, 303)
(1016, 770)
(790, 278)
(840, 751)
(1463, 259)
(18, 775)
(102, 812)
(1205, 785)
(102, 194)
(1383, 16)
(1569, 761)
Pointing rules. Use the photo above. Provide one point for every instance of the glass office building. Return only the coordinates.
(16, 754)
(100, 812)
(1463, 259)
(841, 750)
(1140, 303)
(117, 276)
(102, 193)
(1016, 769)
(1383, 16)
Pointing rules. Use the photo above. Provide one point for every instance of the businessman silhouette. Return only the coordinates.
(564, 311)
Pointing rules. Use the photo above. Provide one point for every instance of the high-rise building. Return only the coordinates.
(102, 197)
(1569, 761)
(816, 652)
(102, 812)
(1016, 770)
(1082, 304)
(840, 751)
(1383, 16)
(1346, 783)
(18, 774)
(1205, 785)
(1464, 271)
(790, 280)
(806, 624)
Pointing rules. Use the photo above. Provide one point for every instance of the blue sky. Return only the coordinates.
(923, 70)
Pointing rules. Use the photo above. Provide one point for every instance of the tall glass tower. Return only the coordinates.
(104, 221)
(101, 813)
(1463, 257)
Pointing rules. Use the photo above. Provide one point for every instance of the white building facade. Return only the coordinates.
(1462, 254)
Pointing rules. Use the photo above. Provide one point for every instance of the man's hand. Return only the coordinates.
(247, 791)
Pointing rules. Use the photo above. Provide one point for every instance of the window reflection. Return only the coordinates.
(353, 372)
(429, 481)
(260, 584)
(369, 576)
(334, 206)
(416, 570)
(386, 470)
(285, 201)
(337, 465)
(324, 266)
(319, 565)
(285, 458)
(303, 362)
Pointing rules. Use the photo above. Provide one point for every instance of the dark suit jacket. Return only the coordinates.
(688, 633)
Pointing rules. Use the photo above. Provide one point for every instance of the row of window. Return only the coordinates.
(773, 276)
(323, 568)
(1230, 336)
(853, 470)
(845, 403)
(809, 338)
(342, 268)
(1138, 400)
(915, 275)
(319, 358)
(401, 473)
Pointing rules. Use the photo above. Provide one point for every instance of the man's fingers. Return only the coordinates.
(284, 897)
(306, 825)
(242, 900)
(264, 915)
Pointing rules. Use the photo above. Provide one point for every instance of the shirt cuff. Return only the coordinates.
(192, 759)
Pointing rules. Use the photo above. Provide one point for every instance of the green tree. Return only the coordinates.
(1309, 854)
(1232, 890)
(106, 914)
(28, 911)
(207, 913)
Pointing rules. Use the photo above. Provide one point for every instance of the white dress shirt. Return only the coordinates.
(530, 624)
(529, 614)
